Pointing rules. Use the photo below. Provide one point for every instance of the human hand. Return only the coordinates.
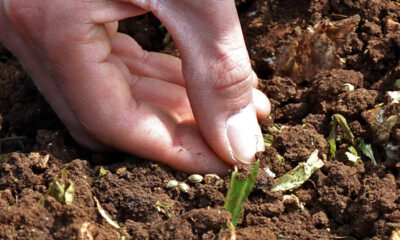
(109, 92)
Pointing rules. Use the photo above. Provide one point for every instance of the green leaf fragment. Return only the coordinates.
(367, 150)
(346, 129)
(281, 160)
(62, 188)
(352, 154)
(275, 128)
(297, 176)
(268, 138)
(9, 208)
(41, 202)
(332, 139)
(379, 105)
(2, 157)
(397, 83)
(239, 191)
(102, 172)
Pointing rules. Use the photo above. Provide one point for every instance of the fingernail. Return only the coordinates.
(244, 135)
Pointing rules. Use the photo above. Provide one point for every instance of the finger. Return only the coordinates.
(217, 69)
(100, 97)
(111, 28)
(111, 11)
(147, 64)
(136, 127)
(261, 104)
(170, 96)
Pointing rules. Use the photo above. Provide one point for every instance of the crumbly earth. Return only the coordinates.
(342, 200)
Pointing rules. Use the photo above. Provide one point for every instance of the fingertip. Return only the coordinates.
(262, 104)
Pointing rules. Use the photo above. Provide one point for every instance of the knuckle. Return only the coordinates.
(234, 76)
(149, 5)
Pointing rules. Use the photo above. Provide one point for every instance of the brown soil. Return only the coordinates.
(303, 72)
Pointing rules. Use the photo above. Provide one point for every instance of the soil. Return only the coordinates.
(303, 72)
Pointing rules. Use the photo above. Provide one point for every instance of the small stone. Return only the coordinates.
(195, 178)
(172, 184)
(348, 87)
(184, 187)
(121, 171)
(39, 161)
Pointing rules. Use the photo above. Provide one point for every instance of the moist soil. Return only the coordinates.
(304, 53)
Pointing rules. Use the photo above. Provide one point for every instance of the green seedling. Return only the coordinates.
(367, 150)
(41, 202)
(332, 139)
(346, 129)
(351, 154)
(101, 176)
(268, 138)
(298, 175)
(62, 188)
(239, 191)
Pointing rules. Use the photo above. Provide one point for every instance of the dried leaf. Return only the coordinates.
(352, 154)
(105, 215)
(395, 234)
(297, 176)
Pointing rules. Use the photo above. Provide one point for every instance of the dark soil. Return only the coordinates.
(302, 71)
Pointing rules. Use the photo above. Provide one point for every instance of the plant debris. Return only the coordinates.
(316, 49)
(298, 175)
(395, 234)
(165, 208)
(268, 138)
(352, 154)
(105, 215)
(239, 191)
(62, 188)
(292, 200)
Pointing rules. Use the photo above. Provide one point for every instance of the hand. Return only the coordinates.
(195, 115)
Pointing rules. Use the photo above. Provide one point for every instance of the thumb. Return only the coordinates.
(218, 74)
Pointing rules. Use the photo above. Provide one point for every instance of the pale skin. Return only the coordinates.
(196, 114)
